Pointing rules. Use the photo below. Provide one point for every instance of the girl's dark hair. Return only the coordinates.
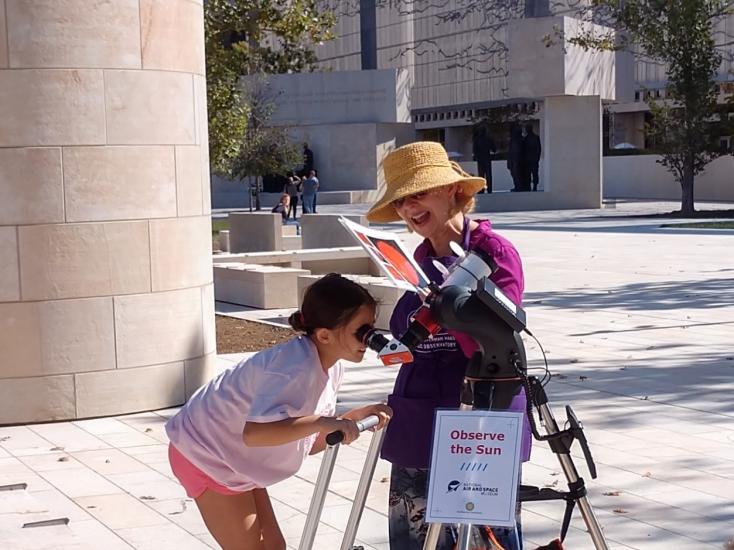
(330, 302)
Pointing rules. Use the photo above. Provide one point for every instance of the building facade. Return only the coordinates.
(456, 54)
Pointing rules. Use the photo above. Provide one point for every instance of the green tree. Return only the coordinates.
(680, 35)
(253, 37)
(264, 148)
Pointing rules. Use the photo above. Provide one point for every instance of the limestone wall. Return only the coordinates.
(641, 177)
(106, 298)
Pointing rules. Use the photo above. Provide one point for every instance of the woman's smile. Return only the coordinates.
(420, 219)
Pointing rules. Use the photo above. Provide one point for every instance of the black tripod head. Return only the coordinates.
(492, 320)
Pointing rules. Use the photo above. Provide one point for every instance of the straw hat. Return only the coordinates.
(419, 167)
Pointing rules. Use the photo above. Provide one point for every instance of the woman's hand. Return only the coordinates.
(347, 426)
(382, 411)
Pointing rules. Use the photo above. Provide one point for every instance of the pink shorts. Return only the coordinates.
(193, 480)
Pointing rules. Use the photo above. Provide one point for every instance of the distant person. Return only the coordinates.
(254, 424)
(532, 154)
(283, 206)
(308, 162)
(483, 148)
(292, 189)
(309, 190)
(515, 158)
(316, 196)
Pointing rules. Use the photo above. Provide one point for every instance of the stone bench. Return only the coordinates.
(349, 259)
(381, 289)
(325, 230)
(255, 231)
(258, 286)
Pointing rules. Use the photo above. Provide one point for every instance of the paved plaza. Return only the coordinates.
(637, 322)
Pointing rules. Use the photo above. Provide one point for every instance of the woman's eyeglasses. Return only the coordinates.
(398, 203)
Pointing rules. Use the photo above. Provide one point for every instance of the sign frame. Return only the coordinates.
(460, 487)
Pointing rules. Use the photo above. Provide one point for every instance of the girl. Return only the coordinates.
(253, 425)
(283, 206)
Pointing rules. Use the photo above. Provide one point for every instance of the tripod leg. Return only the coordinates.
(464, 537)
(350, 533)
(318, 498)
(434, 531)
(573, 478)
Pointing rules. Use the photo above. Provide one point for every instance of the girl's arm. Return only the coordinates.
(270, 434)
(382, 411)
(318, 445)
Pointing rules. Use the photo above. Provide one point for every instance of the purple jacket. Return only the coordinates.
(434, 378)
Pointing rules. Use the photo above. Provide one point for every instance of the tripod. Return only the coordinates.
(469, 302)
(485, 394)
(499, 370)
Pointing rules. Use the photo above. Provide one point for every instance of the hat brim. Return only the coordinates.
(384, 212)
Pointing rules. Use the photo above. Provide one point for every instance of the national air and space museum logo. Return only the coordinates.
(456, 486)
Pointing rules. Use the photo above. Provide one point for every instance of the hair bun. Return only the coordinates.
(296, 321)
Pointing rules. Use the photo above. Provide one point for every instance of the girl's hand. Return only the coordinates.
(382, 411)
(341, 424)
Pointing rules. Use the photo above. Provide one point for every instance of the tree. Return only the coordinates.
(264, 149)
(680, 34)
(253, 37)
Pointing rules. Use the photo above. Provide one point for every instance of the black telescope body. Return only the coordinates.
(495, 328)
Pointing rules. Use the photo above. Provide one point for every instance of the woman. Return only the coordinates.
(433, 196)
(292, 189)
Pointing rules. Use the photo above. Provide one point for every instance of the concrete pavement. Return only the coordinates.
(638, 327)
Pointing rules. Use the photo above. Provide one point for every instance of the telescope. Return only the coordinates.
(469, 302)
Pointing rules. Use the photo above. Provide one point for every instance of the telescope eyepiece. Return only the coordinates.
(371, 338)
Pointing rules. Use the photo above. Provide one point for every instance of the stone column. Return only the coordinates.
(572, 151)
(106, 297)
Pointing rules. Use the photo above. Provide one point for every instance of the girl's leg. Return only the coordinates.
(232, 519)
(271, 534)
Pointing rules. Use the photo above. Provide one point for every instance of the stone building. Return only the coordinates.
(458, 58)
(106, 298)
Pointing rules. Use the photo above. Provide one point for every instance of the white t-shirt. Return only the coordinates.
(281, 382)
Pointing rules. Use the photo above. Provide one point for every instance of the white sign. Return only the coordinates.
(475, 467)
